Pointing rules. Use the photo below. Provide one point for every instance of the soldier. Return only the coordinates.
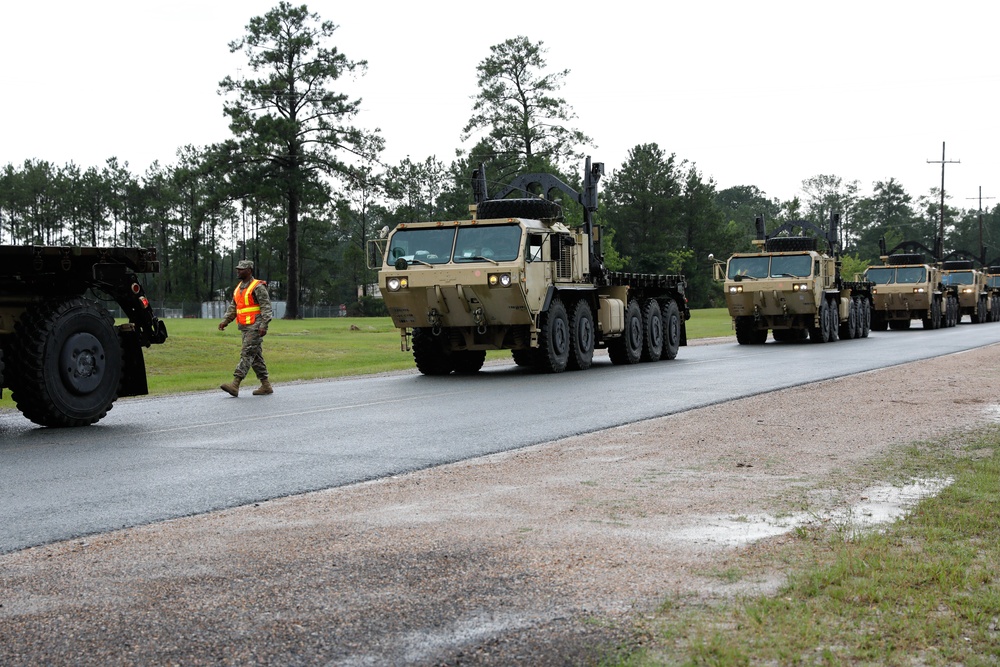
(251, 308)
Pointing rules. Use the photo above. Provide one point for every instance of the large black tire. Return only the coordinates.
(866, 317)
(747, 332)
(582, 337)
(933, 319)
(68, 361)
(430, 354)
(468, 362)
(652, 331)
(833, 312)
(524, 358)
(899, 325)
(821, 333)
(627, 348)
(553, 338)
(671, 330)
(849, 329)
(533, 209)
(879, 322)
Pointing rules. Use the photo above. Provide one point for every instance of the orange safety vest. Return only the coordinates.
(246, 305)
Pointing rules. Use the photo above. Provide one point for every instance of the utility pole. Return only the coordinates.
(942, 162)
(981, 198)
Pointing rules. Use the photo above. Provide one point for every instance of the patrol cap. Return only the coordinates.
(245, 264)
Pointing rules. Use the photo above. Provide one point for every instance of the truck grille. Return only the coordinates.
(564, 267)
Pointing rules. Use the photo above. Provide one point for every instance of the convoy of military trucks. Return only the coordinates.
(513, 276)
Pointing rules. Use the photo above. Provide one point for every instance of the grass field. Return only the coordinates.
(199, 356)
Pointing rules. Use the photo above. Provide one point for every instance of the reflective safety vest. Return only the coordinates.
(246, 305)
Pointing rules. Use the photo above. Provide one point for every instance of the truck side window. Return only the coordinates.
(534, 247)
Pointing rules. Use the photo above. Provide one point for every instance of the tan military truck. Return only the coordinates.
(971, 285)
(908, 287)
(992, 272)
(793, 290)
(516, 277)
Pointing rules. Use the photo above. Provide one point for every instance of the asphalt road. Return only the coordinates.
(158, 458)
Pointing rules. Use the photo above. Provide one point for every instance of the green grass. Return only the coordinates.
(925, 591)
(199, 356)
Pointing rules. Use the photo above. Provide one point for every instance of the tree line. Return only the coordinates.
(300, 190)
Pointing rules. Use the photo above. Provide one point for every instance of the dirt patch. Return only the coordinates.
(543, 556)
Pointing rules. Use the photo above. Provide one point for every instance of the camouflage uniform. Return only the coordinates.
(252, 356)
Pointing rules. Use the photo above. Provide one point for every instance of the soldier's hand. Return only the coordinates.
(262, 331)
(222, 326)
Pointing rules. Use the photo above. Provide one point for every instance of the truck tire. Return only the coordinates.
(671, 330)
(834, 322)
(534, 208)
(879, 322)
(1, 367)
(821, 333)
(581, 337)
(866, 317)
(524, 358)
(652, 331)
(849, 329)
(468, 362)
(747, 332)
(553, 338)
(933, 319)
(68, 363)
(627, 348)
(430, 354)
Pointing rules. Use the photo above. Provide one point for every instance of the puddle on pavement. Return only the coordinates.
(879, 505)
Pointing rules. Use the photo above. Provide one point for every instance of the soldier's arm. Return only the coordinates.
(264, 301)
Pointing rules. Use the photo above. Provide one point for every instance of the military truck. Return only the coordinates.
(516, 276)
(793, 290)
(971, 285)
(992, 271)
(908, 287)
(62, 357)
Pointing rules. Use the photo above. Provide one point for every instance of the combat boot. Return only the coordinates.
(264, 389)
(232, 388)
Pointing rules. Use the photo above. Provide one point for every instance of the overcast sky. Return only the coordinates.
(758, 93)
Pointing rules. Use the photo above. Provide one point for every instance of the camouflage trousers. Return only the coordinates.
(252, 354)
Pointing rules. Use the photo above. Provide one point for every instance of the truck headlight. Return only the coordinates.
(919, 290)
(499, 279)
(800, 287)
(396, 284)
(735, 289)
(967, 290)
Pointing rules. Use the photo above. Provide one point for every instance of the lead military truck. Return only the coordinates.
(516, 277)
(793, 290)
(62, 357)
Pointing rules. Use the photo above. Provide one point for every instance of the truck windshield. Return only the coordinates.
(911, 274)
(753, 267)
(993, 281)
(960, 278)
(798, 266)
(429, 246)
(881, 275)
(496, 243)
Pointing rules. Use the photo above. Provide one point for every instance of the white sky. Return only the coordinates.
(763, 93)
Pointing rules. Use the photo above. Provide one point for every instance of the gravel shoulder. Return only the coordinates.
(545, 555)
